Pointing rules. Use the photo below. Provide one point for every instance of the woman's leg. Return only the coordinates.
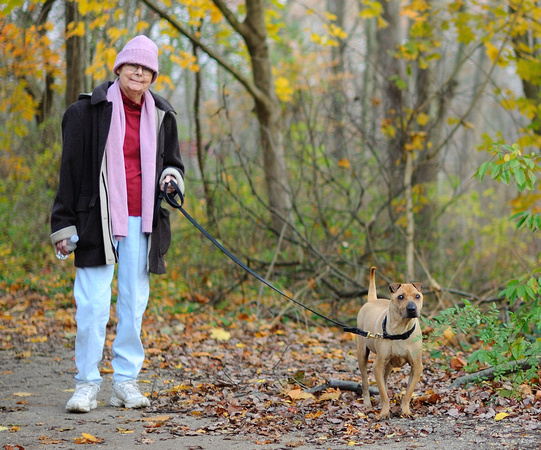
(92, 292)
(133, 293)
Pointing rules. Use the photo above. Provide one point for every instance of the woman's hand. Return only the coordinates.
(170, 188)
(61, 247)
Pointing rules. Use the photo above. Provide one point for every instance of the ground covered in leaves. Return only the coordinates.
(238, 382)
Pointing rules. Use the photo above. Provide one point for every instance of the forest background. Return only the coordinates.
(320, 138)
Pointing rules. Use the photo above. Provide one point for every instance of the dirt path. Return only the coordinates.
(35, 386)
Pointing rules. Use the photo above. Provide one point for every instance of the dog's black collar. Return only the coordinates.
(384, 335)
(395, 337)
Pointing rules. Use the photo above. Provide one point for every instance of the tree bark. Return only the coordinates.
(268, 113)
(336, 142)
(201, 150)
(75, 61)
(527, 40)
(46, 100)
(390, 68)
(410, 221)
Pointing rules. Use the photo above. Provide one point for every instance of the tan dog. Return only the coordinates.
(398, 347)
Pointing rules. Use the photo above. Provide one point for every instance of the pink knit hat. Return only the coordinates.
(140, 50)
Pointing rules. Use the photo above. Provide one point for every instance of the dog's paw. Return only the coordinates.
(406, 415)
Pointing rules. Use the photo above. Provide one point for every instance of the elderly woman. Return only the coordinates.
(120, 147)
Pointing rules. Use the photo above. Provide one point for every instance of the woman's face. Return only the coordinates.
(134, 80)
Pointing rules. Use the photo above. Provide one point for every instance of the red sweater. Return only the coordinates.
(132, 155)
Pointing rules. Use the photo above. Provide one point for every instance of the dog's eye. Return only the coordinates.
(400, 297)
(417, 296)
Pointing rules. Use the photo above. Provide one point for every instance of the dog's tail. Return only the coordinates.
(372, 295)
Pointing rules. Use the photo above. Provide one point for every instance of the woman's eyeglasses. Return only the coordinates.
(135, 67)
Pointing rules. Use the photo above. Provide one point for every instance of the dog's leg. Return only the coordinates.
(362, 358)
(379, 373)
(415, 376)
(388, 370)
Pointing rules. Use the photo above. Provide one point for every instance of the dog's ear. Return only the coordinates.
(393, 287)
(418, 286)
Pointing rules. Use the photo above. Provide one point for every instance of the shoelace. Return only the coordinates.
(85, 390)
(131, 389)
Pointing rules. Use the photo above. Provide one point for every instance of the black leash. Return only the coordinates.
(170, 199)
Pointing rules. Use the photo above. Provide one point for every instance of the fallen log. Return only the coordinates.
(343, 386)
(493, 372)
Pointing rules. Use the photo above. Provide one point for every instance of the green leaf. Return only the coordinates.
(520, 178)
(481, 172)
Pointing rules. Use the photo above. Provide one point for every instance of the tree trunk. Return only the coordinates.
(525, 47)
(269, 116)
(390, 68)
(46, 100)
(336, 142)
(201, 150)
(75, 61)
(410, 221)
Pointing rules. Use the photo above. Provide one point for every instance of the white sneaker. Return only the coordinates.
(84, 398)
(127, 394)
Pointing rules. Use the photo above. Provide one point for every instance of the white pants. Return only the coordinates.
(92, 291)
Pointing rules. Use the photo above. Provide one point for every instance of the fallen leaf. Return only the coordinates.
(87, 439)
(46, 440)
(22, 394)
(297, 394)
(220, 334)
(330, 394)
(501, 415)
(457, 363)
(151, 419)
(153, 351)
(199, 354)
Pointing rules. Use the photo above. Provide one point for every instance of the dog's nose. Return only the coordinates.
(411, 309)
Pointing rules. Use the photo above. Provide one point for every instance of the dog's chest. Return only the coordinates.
(398, 360)
(399, 355)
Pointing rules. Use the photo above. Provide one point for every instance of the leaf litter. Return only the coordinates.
(250, 378)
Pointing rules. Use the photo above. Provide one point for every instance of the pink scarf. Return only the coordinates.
(116, 173)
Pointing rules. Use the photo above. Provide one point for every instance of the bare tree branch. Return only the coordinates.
(343, 386)
(493, 372)
(230, 17)
(247, 83)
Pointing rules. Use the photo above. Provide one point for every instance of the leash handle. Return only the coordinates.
(171, 198)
